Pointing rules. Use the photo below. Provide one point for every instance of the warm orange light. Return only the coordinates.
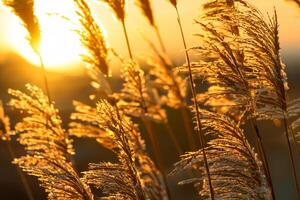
(60, 45)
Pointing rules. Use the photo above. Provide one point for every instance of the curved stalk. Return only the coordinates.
(199, 127)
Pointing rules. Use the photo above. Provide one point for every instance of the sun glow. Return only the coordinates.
(60, 45)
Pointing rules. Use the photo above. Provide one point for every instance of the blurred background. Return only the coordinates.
(68, 79)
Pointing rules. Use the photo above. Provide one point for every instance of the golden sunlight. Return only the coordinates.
(60, 45)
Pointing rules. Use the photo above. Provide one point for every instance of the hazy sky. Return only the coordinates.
(289, 19)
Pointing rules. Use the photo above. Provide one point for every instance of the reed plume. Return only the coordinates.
(274, 100)
(234, 84)
(85, 125)
(88, 125)
(135, 176)
(24, 9)
(145, 6)
(92, 38)
(48, 147)
(172, 88)
(236, 171)
(118, 6)
(137, 98)
(167, 79)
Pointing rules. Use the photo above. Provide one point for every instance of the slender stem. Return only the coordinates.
(156, 151)
(46, 84)
(127, 39)
(199, 127)
(21, 174)
(286, 125)
(45, 78)
(188, 128)
(173, 138)
(262, 155)
(160, 39)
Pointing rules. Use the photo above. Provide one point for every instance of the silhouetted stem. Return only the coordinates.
(188, 128)
(199, 127)
(21, 174)
(286, 127)
(173, 138)
(163, 48)
(127, 39)
(262, 155)
(45, 78)
(156, 151)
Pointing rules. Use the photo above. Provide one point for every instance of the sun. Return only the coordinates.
(60, 45)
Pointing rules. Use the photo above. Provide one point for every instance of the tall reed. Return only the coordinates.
(234, 80)
(91, 34)
(48, 148)
(24, 9)
(193, 89)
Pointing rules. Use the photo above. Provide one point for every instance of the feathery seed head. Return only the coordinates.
(118, 7)
(145, 5)
(24, 9)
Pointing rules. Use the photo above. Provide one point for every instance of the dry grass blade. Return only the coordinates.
(24, 9)
(236, 172)
(47, 145)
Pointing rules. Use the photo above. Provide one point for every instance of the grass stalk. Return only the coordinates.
(291, 156)
(46, 83)
(262, 155)
(162, 45)
(171, 134)
(156, 151)
(20, 173)
(188, 128)
(199, 127)
(127, 39)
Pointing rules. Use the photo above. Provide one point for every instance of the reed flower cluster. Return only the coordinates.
(238, 78)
